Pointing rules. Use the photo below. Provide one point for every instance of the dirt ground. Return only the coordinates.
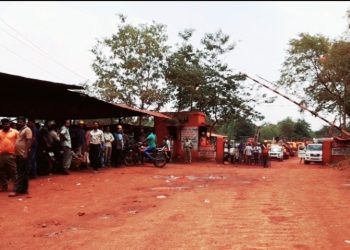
(198, 206)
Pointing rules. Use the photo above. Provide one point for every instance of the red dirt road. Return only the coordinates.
(198, 206)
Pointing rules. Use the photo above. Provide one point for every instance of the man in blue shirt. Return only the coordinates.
(151, 143)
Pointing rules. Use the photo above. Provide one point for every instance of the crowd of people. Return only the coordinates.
(246, 153)
(28, 149)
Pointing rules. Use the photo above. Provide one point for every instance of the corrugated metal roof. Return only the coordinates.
(49, 100)
(20, 82)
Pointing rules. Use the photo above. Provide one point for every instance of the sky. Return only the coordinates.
(53, 40)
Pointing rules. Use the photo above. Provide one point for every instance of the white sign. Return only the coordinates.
(192, 134)
(207, 152)
(341, 151)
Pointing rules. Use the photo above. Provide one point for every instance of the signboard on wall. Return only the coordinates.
(341, 151)
(207, 152)
(192, 134)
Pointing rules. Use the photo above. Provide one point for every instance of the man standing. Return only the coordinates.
(120, 141)
(265, 154)
(188, 150)
(248, 152)
(22, 148)
(81, 138)
(8, 137)
(241, 152)
(54, 146)
(95, 144)
(227, 148)
(108, 137)
(66, 144)
(33, 149)
(167, 144)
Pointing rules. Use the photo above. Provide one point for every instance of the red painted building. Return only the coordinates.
(191, 125)
(335, 150)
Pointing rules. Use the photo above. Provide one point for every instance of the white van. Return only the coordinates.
(313, 153)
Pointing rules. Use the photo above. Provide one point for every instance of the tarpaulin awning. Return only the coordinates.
(18, 83)
(40, 99)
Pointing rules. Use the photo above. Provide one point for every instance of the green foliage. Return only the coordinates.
(323, 132)
(198, 79)
(319, 69)
(286, 128)
(302, 129)
(238, 128)
(268, 131)
(130, 65)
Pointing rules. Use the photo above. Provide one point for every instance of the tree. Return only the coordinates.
(185, 75)
(323, 132)
(199, 79)
(269, 131)
(286, 128)
(320, 68)
(237, 128)
(244, 128)
(130, 65)
(302, 130)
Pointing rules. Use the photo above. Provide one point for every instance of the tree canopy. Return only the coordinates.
(199, 79)
(130, 65)
(317, 69)
(286, 128)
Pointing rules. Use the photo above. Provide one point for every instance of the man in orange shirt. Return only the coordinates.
(22, 148)
(8, 137)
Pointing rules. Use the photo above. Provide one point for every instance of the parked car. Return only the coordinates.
(276, 152)
(313, 153)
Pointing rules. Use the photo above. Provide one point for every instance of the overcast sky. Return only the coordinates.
(52, 40)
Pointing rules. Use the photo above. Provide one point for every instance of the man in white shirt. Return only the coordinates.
(248, 153)
(66, 144)
(109, 138)
(95, 143)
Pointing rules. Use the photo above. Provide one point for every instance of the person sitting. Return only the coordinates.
(151, 144)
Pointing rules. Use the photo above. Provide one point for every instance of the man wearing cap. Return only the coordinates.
(8, 137)
(22, 148)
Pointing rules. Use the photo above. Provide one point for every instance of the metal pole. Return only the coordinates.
(301, 106)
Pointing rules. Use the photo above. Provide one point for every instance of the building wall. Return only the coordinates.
(185, 124)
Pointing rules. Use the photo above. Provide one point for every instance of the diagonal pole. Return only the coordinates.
(301, 106)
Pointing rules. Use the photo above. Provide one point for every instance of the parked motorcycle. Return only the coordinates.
(136, 154)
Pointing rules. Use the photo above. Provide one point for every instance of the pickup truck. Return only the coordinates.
(313, 153)
(276, 152)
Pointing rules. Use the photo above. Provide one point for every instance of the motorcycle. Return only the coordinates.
(49, 161)
(136, 155)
